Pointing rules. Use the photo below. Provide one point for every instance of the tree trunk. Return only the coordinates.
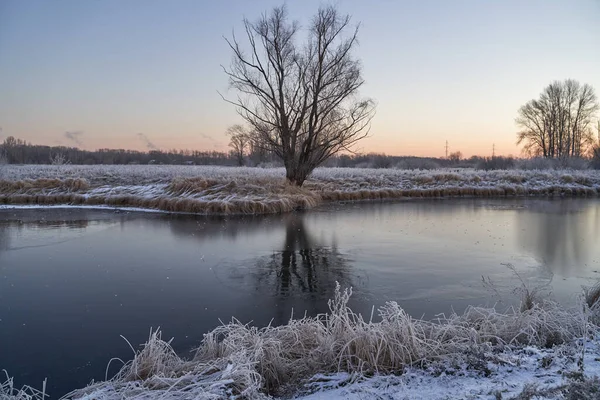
(295, 175)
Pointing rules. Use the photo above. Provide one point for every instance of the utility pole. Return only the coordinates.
(446, 149)
(493, 150)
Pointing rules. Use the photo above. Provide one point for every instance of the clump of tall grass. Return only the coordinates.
(252, 362)
(591, 297)
(8, 391)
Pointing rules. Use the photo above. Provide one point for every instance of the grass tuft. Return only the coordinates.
(8, 391)
(592, 296)
(252, 362)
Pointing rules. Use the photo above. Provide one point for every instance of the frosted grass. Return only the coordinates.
(227, 190)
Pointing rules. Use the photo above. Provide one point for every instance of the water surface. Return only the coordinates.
(72, 281)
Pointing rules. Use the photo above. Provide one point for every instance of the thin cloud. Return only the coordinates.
(75, 137)
(147, 142)
(208, 137)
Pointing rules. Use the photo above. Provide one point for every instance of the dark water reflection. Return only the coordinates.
(73, 281)
(561, 235)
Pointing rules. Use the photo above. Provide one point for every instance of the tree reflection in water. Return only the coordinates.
(304, 264)
(562, 234)
(4, 237)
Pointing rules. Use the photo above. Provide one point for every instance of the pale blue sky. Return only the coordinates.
(455, 70)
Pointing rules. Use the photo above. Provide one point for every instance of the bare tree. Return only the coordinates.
(58, 158)
(559, 123)
(300, 101)
(3, 155)
(239, 141)
(455, 157)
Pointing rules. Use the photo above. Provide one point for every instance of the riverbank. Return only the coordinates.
(229, 190)
(538, 349)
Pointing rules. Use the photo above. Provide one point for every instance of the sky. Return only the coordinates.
(142, 74)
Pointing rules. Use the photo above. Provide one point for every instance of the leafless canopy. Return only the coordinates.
(455, 156)
(239, 141)
(300, 101)
(559, 124)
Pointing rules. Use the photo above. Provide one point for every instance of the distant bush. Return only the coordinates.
(490, 163)
(417, 163)
(269, 164)
(595, 161)
(539, 163)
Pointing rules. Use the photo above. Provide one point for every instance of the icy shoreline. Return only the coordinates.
(540, 350)
(229, 190)
(543, 373)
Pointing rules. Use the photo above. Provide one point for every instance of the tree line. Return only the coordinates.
(17, 151)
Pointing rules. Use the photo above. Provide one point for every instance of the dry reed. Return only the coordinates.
(8, 391)
(214, 190)
(250, 362)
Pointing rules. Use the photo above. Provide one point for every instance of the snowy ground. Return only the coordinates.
(209, 189)
(342, 178)
(545, 373)
(522, 373)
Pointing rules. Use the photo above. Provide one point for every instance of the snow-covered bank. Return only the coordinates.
(226, 190)
(539, 348)
(522, 373)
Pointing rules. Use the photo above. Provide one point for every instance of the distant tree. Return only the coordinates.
(239, 141)
(300, 101)
(18, 151)
(58, 159)
(379, 160)
(595, 163)
(559, 123)
(10, 142)
(455, 157)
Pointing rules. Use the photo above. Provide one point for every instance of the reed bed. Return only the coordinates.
(242, 361)
(229, 190)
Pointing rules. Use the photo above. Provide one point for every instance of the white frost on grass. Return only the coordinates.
(471, 355)
(344, 178)
(505, 376)
(8, 391)
(211, 189)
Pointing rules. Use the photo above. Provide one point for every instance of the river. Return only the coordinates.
(73, 281)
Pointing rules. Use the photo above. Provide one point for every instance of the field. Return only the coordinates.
(229, 190)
